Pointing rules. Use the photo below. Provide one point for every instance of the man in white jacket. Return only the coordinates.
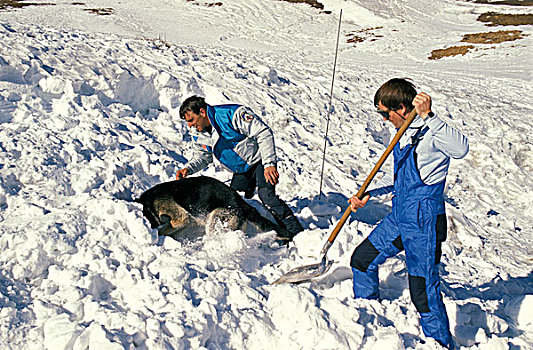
(244, 144)
(417, 223)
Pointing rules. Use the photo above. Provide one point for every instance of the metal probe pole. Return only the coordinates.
(329, 108)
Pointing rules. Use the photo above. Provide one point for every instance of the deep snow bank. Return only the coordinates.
(89, 121)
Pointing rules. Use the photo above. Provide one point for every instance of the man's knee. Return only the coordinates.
(267, 195)
(363, 255)
(276, 206)
(417, 288)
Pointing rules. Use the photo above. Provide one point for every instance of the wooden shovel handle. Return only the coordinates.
(373, 173)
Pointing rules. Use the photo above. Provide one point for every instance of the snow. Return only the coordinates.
(89, 120)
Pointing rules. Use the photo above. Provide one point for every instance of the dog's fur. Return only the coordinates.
(177, 207)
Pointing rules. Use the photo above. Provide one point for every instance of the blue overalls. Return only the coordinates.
(417, 224)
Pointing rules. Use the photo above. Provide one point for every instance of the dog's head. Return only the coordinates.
(161, 209)
(149, 212)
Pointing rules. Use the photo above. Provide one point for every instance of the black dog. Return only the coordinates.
(177, 207)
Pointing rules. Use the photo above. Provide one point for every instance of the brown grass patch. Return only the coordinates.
(101, 11)
(208, 4)
(477, 38)
(450, 51)
(14, 4)
(159, 43)
(313, 3)
(359, 36)
(498, 19)
(354, 39)
(493, 37)
(507, 2)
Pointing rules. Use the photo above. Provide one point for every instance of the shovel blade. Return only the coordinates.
(305, 273)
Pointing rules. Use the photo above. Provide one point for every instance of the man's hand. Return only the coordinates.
(271, 175)
(356, 203)
(182, 173)
(422, 103)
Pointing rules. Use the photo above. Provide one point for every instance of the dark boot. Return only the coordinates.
(292, 225)
(280, 211)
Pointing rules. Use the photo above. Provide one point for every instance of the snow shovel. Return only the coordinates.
(307, 272)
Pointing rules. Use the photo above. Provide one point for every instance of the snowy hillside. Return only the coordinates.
(88, 121)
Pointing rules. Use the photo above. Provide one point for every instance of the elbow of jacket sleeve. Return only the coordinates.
(464, 150)
(467, 148)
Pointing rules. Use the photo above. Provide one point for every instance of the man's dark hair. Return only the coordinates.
(192, 104)
(395, 93)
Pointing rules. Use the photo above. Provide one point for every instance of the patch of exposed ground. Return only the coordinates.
(14, 4)
(477, 38)
(493, 37)
(361, 35)
(500, 19)
(313, 3)
(491, 19)
(159, 43)
(101, 11)
(507, 2)
(204, 3)
(450, 51)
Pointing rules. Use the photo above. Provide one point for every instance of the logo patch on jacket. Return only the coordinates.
(247, 117)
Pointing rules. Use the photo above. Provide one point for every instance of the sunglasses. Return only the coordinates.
(384, 114)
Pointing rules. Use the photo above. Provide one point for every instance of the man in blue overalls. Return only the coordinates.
(243, 144)
(417, 223)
